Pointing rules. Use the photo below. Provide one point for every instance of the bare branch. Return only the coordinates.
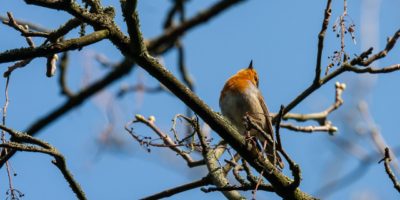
(13, 191)
(310, 129)
(373, 70)
(63, 66)
(343, 181)
(389, 171)
(54, 35)
(182, 188)
(45, 50)
(123, 68)
(167, 141)
(23, 29)
(104, 61)
(320, 117)
(173, 33)
(43, 147)
(321, 37)
(32, 26)
(217, 173)
(389, 45)
(182, 67)
(140, 87)
(375, 135)
(95, 5)
(267, 188)
(295, 168)
(217, 122)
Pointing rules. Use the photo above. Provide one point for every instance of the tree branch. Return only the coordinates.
(185, 187)
(121, 70)
(167, 141)
(389, 171)
(216, 122)
(46, 148)
(321, 37)
(45, 50)
(173, 33)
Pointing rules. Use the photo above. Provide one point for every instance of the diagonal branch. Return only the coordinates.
(124, 67)
(389, 171)
(280, 182)
(173, 33)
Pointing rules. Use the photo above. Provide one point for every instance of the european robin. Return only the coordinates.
(241, 96)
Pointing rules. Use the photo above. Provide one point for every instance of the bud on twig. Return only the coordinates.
(51, 65)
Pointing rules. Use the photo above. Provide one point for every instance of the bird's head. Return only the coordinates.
(249, 73)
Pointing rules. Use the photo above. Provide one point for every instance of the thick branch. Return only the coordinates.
(121, 70)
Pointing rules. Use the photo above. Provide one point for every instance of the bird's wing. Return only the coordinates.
(269, 129)
(268, 126)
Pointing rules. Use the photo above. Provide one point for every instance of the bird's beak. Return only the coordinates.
(250, 65)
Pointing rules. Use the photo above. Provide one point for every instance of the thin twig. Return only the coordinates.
(321, 37)
(389, 45)
(320, 117)
(182, 188)
(31, 25)
(43, 147)
(167, 140)
(310, 129)
(63, 66)
(22, 29)
(173, 33)
(140, 87)
(3, 140)
(389, 171)
(295, 168)
(267, 188)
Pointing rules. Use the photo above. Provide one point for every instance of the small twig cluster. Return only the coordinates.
(23, 142)
(163, 140)
(342, 26)
(321, 117)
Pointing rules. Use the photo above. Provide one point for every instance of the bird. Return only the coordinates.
(241, 96)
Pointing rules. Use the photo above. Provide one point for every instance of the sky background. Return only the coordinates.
(281, 39)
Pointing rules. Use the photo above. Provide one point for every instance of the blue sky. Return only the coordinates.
(279, 36)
